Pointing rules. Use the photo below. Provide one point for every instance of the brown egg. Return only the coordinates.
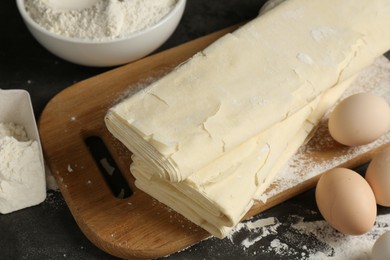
(346, 201)
(359, 119)
(378, 176)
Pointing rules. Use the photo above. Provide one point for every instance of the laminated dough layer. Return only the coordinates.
(248, 81)
(218, 196)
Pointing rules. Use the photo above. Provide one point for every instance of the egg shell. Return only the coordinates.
(378, 176)
(359, 119)
(381, 248)
(346, 201)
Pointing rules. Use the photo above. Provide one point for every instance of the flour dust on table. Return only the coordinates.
(294, 237)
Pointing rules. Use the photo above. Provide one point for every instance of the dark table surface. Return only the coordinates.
(48, 231)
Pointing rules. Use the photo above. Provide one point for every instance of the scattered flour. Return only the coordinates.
(293, 237)
(343, 246)
(263, 226)
(102, 20)
(305, 58)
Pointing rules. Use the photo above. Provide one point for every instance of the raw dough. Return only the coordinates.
(218, 196)
(197, 105)
(210, 136)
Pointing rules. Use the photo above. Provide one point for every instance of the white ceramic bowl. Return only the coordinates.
(109, 52)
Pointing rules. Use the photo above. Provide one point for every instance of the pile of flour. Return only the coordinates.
(22, 178)
(104, 19)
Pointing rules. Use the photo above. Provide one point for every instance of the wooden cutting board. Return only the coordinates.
(136, 225)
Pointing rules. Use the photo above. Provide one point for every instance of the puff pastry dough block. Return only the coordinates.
(248, 81)
(208, 137)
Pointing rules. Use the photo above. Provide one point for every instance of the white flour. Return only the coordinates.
(104, 19)
(297, 238)
(22, 180)
(16, 131)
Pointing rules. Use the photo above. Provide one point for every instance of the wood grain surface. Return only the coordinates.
(138, 225)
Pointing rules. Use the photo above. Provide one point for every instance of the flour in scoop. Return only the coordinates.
(22, 177)
(101, 20)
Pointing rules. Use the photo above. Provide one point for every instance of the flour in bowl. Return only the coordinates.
(103, 20)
